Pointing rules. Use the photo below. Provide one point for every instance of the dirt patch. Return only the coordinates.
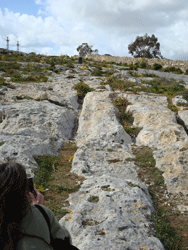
(62, 182)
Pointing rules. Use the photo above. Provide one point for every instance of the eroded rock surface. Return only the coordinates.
(112, 209)
(25, 130)
(162, 132)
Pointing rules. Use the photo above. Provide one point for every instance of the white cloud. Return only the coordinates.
(62, 25)
(39, 2)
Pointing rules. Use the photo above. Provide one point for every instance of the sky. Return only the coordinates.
(58, 27)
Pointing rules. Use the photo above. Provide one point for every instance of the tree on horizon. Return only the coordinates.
(145, 46)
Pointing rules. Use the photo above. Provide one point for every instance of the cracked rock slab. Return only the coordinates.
(161, 131)
(112, 209)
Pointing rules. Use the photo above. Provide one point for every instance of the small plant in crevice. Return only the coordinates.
(171, 106)
(94, 199)
(56, 103)
(43, 173)
(90, 222)
(126, 118)
(97, 71)
(82, 89)
(1, 143)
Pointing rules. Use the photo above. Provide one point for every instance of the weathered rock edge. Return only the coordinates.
(164, 135)
(112, 209)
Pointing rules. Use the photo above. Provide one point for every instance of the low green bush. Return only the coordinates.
(97, 71)
(157, 66)
(143, 65)
(7, 66)
(17, 77)
(46, 167)
(173, 70)
(82, 89)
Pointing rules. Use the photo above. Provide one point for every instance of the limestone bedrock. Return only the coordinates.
(25, 128)
(112, 209)
(168, 139)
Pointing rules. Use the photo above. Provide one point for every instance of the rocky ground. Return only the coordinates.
(112, 209)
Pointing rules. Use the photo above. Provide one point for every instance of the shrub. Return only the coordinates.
(82, 89)
(133, 67)
(143, 65)
(157, 66)
(70, 64)
(186, 72)
(97, 72)
(173, 69)
(43, 173)
(16, 77)
(178, 71)
(104, 64)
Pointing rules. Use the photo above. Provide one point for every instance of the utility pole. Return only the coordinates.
(17, 46)
(7, 43)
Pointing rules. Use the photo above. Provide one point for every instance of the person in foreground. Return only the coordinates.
(22, 225)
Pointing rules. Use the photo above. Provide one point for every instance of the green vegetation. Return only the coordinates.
(149, 174)
(13, 70)
(86, 49)
(145, 47)
(6, 67)
(97, 71)
(1, 143)
(94, 199)
(157, 66)
(57, 183)
(167, 87)
(185, 95)
(126, 118)
(2, 81)
(43, 173)
(164, 231)
(117, 84)
(17, 77)
(56, 102)
(53, 178)
(82, 89)
(173, 70)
